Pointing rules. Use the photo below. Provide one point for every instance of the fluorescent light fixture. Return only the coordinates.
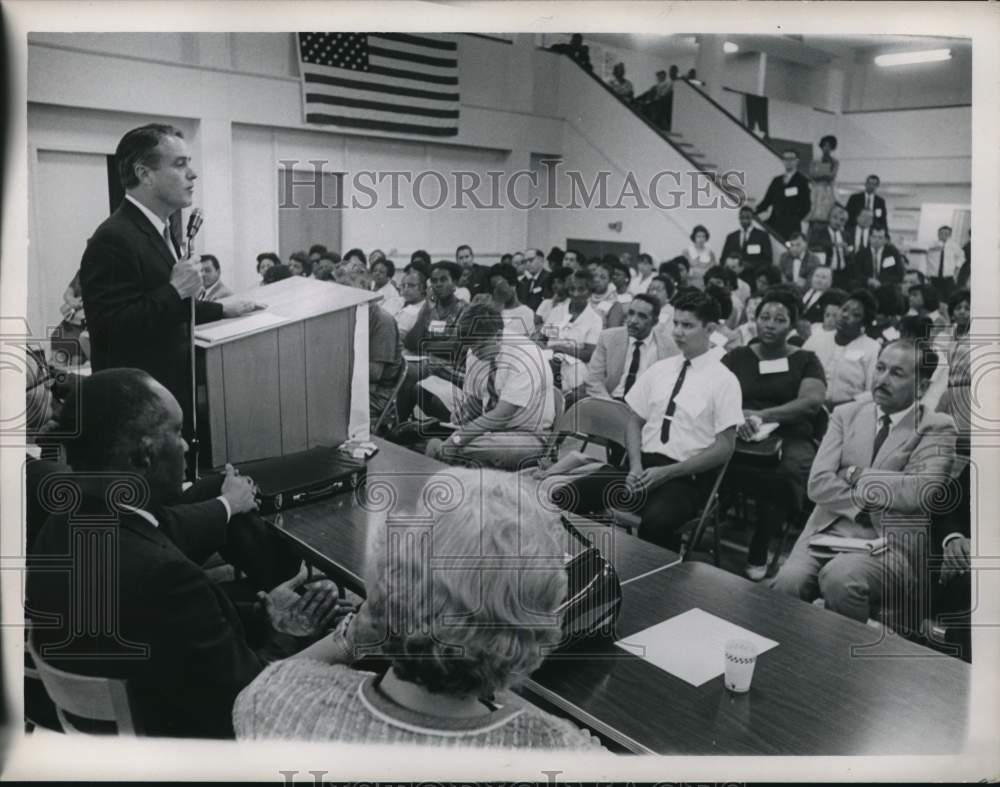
(908, 58)
(729, 47)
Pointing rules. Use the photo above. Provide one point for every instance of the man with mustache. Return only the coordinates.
(869, 481)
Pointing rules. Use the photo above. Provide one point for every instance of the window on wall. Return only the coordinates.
(309, 210)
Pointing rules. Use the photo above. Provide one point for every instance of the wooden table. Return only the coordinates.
(332, 534)
(810, 695)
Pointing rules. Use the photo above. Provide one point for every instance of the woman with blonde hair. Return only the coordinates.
(463, 601)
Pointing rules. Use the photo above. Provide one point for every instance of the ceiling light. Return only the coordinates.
(729, 47)
(907, 58)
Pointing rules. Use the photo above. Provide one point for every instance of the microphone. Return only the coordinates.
(195, 221)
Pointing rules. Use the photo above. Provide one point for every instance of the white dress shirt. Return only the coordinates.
(850, 369)
(156, 221)
(647, 356)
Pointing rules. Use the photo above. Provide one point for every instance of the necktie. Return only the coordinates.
(868, 201)
(492, 397)
(883, 433)
(633, 368)
(743, 245)
(941, 265)
(672, 405)
(168, 239)
(836, 251)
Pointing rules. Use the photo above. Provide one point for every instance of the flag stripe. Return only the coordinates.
(374, 81)
(399, 54)
(395, 46)
(380, 125)
(378, 114)
(379, 87)
(395, 72)
(414, 68)
(404, 38)
(359, 103)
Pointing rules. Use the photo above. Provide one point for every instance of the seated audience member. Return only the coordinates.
(518, 261)
(699, 256)
(819, 283)
(765, 278)
(433, 338)
(533, 285)
(685, 410)
(748, 330)
(507, 398)
(890, 307)
(736, 264)
(797, 264)
(890, 449)
(475, 278)
(324, 270)
(604, 297)
(881, 263)
(518, 319)
(944, 259)
(558, 283)
(507, 259)
(848, 354)
(571, 331)
(619, 85)
(924, 301)
(956, 400)
(723, 278)
(662, 288)
(749, 243)
(316, 251)
(185, 649)
(914, 326)
(265, 261)
(624, 353)
(621, 279)
(300, 265)
(572, 259)
(382, 274)
(723, 338)
(644, 274)
(277, 273)
(555, 258)
(385, 350)
(785, 385)
(831, 239)
(211, 279)
(470, 635)
(678, 269)
(414, 296)
(829, 304)
(912, 278)
(422, 259)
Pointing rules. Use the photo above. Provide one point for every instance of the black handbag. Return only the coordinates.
(594, 597)
(764, 453)
(303, 477)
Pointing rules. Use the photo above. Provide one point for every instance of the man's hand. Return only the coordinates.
(956, 559)
(749, 427)
(240, 492)
(306, 615)
(186, 279)
(874, 283)
(652, 477)
(236, 307)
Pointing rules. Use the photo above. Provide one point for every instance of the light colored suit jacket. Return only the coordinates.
(903, 478)
(216, 292)
(608, 363)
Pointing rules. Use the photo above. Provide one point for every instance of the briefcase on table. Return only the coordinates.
(303, 477)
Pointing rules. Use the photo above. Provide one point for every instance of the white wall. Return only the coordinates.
(902, 87)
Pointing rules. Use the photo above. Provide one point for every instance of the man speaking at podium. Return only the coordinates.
(136, 283)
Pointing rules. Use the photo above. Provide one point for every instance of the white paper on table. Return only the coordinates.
(690, 646)
(237, 326)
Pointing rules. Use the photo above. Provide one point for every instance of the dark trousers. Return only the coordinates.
(663, 511)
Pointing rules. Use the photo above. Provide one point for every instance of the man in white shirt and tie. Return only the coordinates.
(944, 260)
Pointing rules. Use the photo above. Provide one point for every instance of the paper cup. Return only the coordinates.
(741, 658)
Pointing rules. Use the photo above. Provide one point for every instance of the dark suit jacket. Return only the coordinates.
(533, 295)
(757, 237)
(134, 315)
(165, 627)
(809, 263)
(787, 212)
(856, 203)
(866, 266)
(814, 311)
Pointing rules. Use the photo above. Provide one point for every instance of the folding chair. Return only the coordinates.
(86, 697)
(390, 406)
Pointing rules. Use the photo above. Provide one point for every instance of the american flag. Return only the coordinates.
(384, 81)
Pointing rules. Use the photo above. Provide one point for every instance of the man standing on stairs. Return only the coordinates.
(620, 85)
(752, 244)
(788, 197)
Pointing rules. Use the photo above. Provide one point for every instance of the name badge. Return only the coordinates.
(718, 339)
(552, 331)
(889, 262)
(890, 334)
(878, 212)
(854, 355)
(437, 327)
(536, 290)
(776, 366)
(753, 248)
(792, 191)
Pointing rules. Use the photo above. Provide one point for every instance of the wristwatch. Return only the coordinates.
(455, 439)
(852, 474)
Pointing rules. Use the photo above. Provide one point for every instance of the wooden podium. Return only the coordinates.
(279, 380)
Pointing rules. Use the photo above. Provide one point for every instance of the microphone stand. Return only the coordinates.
(194, 444)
